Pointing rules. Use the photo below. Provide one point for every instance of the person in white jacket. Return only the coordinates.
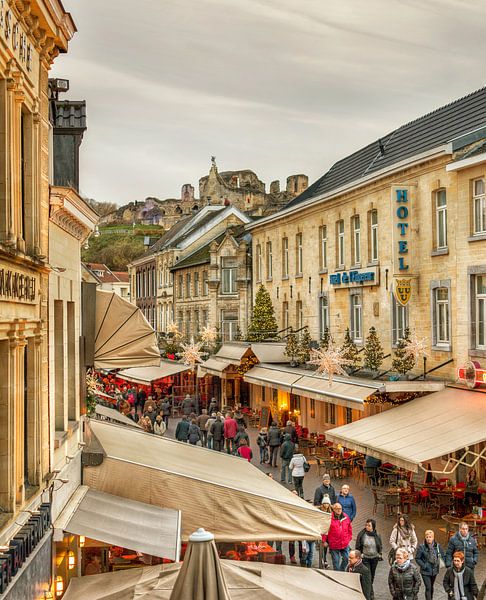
(296, 467)
(403, 536)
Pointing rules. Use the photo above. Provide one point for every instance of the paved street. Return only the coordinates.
(364, 501)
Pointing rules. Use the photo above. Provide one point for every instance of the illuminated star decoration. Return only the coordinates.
(191, 354)
(329, 361)
(172, 328)
(415, 347)
(208, 335)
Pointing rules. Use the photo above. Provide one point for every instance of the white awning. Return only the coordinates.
(124, 337)
(214, 366)
(233, 352)
(147, 375)
(121, 522)
(111, 414)
(272, 378)
(222, 493)
(421, 430)
(270, 352)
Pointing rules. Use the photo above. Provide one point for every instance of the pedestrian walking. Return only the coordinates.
(325, 489)
(403, 536)
(404, 577)
(194, 435)
(356, 565)
(159, 427)
(326, 507)
(339, 537)
(463, 542)
(370, 545)
(230, 430)
(217, 432)
(347, 501)
(208, 425)
(459, 580)
(471, 495)
(428, 558)
(213, 406)
(166, 408)
(241, 435)
(286, 454)
(273, 442)
(244, 450)
(201, 423)
(262, 441)
(187, 405)
(298, 470)
(290, 430)
(182, 430)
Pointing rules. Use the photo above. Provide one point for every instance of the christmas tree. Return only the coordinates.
(303, 350)
(349, 351)
(292, 346)
(373, 351)
(403, 362)
(263, 323)
(326, 339)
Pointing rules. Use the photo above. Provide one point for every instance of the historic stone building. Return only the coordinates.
(32, 34)
(242, 189)
(393, 236)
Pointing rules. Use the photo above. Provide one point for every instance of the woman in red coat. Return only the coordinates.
(338, 537)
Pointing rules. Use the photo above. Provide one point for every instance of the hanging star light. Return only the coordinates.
(329, 361)
(208, 335)
(415, 347)
(191, 354)
(172, 328)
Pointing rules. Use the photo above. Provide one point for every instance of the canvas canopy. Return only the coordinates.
(225, 494)
(121, 522)
(272, 378)
(258, 581)
(147, 375)
(421, 430)
(104, 412)
(271, 352)
(123, 336)
(214, 366)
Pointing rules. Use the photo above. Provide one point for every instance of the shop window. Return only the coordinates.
(340, 244)
(440, 220)
(323, 315)
(298, 254)
(399, 320)
(330, 413)
(312, 408)
(479, 206)
(228, 275)
(349, 415)
(357, 317)
(356, 228)
(269, 260)
(373, 236)
(294, 403)
(323, 247)
(285, 257)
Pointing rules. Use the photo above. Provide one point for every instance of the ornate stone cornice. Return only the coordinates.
(60, 213)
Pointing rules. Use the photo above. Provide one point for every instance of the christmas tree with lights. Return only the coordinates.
(292, 346)
(326, 339)
(403, 361)
(349, 351)
(373, 352)
(263, 323)
(303, 350)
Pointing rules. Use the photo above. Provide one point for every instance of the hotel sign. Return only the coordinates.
(401, 203)
(16, 286)
(356, 277)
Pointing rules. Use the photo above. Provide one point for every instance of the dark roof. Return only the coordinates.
(69, 114)
(432, 130)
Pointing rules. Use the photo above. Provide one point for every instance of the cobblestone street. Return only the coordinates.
(364, 502)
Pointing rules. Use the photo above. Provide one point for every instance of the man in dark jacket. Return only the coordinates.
(325, 489)
(165, 408)
(286, 453)
(187, 405)
(201, 423)
(273, 442)
(459, 581)
(464, 542)
(356, 566)
(290, 430)
(217, 433)
(182, 430)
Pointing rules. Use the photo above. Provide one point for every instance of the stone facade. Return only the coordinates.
(242, 189)
(306, 256)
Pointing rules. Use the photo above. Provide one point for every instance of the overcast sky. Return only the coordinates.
(275, 86)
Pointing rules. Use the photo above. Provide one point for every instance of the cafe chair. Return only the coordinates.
(378, 498)
(392, 504)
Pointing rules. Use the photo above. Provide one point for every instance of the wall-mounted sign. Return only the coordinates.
(16, 286)
(356, 277)
(401, 203)
(403, 290)
(472, 374)
(15, 37)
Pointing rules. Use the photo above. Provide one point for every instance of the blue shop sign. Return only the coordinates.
(348, 277)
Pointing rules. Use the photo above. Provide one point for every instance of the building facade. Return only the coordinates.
(108, 280)
(393, 236)
(31, 37)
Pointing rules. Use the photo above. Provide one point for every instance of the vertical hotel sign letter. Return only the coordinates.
(402, 251)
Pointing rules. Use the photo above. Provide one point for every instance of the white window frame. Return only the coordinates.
(285, 257)
(323, 247)
(356, 240)
(299, 259)
(285, 315)
(258, 261)
(229, 326)
(323, 314)
(205, 283)
(299, 315)
(480, 309)
(196, 284)
(400, 320)
(357, 318)
(441, 312)
(269, 258)
(440, 220)
(479, 200)
(340, 243)
(228, 276)
(374, 235)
